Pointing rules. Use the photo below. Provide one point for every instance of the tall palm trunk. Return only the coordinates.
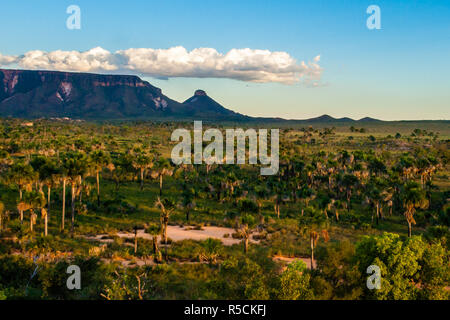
(156, 249)
(80, 198)
(21, 211)
(73, 208)
(165, 233)
(135, 241)
(98, 188)
(142, 178)
(46, 225)
(187, 214)
(31, 220)
(160, 184)
(165, 239)
(277, 207)
(312, 253)
(49, 190)
(348, 201)
(63, 205)
(155, 244)
(377, 212)
(409, 229)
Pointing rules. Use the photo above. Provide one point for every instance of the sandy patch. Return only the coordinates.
(177, 233)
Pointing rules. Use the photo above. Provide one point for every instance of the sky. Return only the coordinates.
(276, 58)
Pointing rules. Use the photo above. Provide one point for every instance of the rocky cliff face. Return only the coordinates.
(33, 94)
(54, 94)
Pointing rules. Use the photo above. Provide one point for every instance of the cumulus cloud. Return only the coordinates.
(7, 60)
(250, 65)
(96, 59)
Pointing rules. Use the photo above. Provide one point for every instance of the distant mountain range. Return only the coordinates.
(37, 94)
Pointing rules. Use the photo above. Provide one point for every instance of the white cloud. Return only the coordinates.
(7, 60)
(96, 59)
(241, 64)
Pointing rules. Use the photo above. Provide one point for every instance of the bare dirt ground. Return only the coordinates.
(177, 233)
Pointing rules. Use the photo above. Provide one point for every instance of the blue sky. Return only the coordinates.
(398, 72)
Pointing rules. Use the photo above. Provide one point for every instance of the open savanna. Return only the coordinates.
(347, 196)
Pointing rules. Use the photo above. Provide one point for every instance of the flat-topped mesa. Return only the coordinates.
(34, 93)
(53, 94)
(200, 93)
(12, 77)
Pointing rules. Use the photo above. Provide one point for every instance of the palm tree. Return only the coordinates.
(142, 161)
(314, 237)
(64, 179)
(135, 229)
(245, 228)
(349, 182)
(336, 205)
(166, 206)
(76, 165)
(413, 197)
(163, 168)
(325, 203)
(306, 195)
(405, 167)
(49, 175)
(277, 188)
(210, 251)
(37, 164)
(23, 176)
(215, 184)
(261, 192)
(376, 166)
(34, 201)
(296, 177)
(123, 165)
(189, 179)
(387, 196)
(155, 230)
(375, 195)
(99, 159)
(426, 166)
(188, 202)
